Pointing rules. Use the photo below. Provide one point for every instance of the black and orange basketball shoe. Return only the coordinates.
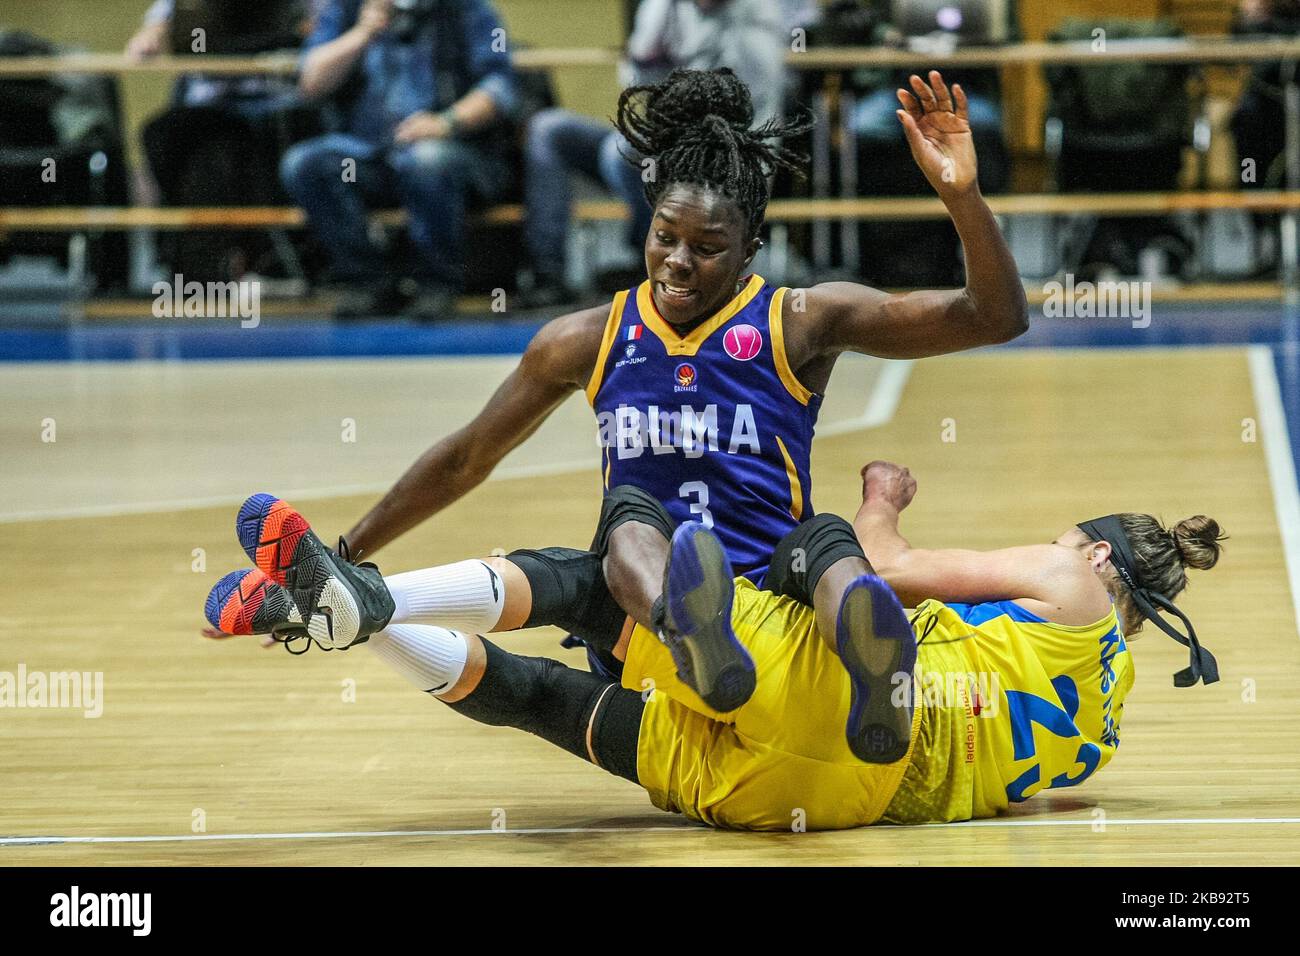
(350, 599)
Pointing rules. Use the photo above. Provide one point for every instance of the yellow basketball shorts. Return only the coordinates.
(781, 761)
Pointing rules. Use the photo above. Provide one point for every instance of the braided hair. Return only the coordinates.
(697, 127)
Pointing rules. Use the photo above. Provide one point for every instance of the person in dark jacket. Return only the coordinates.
(422, 88)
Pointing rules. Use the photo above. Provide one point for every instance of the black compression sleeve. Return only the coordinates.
(555, 702)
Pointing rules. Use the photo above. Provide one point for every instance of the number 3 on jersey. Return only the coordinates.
(700, 506)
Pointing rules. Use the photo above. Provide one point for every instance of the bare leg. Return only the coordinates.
(519, 594)
(694, 598)
(557, 586)
(634, 569)
(475, 664)
(830, 591)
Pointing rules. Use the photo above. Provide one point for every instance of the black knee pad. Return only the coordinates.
(626, 503)
(569, 591)
(803, 555)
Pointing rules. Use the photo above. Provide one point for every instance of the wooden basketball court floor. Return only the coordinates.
(223, 753)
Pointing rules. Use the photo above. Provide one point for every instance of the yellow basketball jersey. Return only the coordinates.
(1014, 705)
(1006, 705)
(779, 762)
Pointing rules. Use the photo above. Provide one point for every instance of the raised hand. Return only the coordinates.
(937, 126)
(888, 482)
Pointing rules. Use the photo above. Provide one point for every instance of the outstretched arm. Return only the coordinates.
(1052, 580)
(558, 361)
(991, 308)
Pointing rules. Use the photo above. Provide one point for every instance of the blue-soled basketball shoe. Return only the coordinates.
(875, 641)
(351, 600)
(249, 602)
(697, 597)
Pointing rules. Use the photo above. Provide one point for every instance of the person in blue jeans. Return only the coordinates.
(423, 92)
(883, 150)
(748, 36)
(885, 167)
(560, 142)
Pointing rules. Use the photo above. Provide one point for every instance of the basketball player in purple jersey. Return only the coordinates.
(706, 381)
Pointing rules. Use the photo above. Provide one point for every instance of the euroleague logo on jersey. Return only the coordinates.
(742, 342)
(686, 378)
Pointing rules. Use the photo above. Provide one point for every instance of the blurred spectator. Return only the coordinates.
(422, 86)
(885, 166)
(879, 134)
(1121, 127)
(67, 123)
(251, 96)
(749, 36)
(218, 143)
(800, 14)
(1259, 123)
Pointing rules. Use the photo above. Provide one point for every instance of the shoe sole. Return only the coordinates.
(875, 642)
(281, 542)
(248, 602)
(270, 531)
(699, 593)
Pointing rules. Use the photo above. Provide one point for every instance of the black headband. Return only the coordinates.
(1203, 666)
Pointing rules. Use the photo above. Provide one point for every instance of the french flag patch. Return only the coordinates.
(633, 333)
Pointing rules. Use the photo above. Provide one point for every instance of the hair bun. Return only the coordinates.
(1197, 540)
(711, 92)
(689, 107)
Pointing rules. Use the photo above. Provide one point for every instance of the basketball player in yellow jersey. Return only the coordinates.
(1024, 650)
(855, 716)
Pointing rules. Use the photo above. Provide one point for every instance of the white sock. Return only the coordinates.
(431, 658)
(467, 595)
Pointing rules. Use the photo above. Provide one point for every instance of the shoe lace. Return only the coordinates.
(295, 632)
(344, 551)
(289, 634)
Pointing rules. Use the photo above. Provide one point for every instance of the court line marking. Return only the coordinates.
(1281, 462)
(881, 406)
(547, 831)
(314, 494)
(882, 403)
